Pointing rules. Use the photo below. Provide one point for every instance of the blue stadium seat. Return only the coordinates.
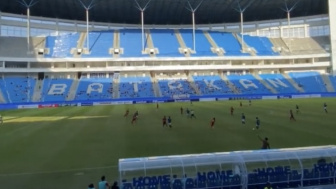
(212, 85)
(310, 81)
(203, 46)
(166, 42)
(134, 87)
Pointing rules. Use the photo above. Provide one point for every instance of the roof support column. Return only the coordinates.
(142, 9)
(87, 9)
(241, 9)
(193, 10)
(28, 5)
(332, 24)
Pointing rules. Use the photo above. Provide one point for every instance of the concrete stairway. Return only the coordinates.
(268, 86)
(229, 83)
(327, 82)
(181, 42)
(245, 46)
(149, 42)
(294, 84)
(193, 85)
(37, 91)
(73, 90)
(2, 98)
(116, 92)
(80, 45)
(156, 88)
(213, 43)
(116, 42)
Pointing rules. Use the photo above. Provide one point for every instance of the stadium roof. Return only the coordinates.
(167, 11)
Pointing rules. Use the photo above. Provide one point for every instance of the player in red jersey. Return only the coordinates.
(212, 123)
(126, 113)
(135, 117)
(164, 121)
(231, 110)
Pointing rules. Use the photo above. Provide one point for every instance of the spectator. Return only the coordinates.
(115, 185)
(103, 184)
(91, 186)
(268, 186)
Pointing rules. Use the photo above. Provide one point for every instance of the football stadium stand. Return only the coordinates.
(133, 87)
(203, 47)
(100, 44)
(18, 89)
(60, 46)
(310, 81)
(130, 41)
(94, 89)
(212, 85)
(261, 45)
(279, 82)
(176, 87)
(228, 42)
(166, 42)
(248, 84)
(55, 89)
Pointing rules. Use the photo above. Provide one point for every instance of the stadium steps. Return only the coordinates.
(268, 86)
(213, 43)
(80, 44)
(149, 41)
(116, 42)
(155, 84)
(193, 85)
(327, 82)
(116, 81)
(252, 52)
(304, 46)
(37, 96)
(278, 43)
(181, 41)
(73, 90)
(229, 83)
(294, 84)
(2, 98)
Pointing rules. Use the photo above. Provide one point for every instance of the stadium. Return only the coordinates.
(167, 94)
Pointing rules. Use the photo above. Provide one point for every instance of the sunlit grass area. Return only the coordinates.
(71, 147)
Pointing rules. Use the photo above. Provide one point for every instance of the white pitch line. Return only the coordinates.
(58, 171)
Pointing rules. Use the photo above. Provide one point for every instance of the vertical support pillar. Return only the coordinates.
(332, 24)
(242, 30)
(87, 30)
(28, 28)
(194, 39)
(142, 31)
(288, 31)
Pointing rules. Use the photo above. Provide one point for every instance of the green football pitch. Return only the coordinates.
(71, 147)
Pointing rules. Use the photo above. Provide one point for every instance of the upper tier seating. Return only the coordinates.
(100, 44)
(279, 82)
(228, 42)
(94, 89)
(171, 87)
(166, 42)
(18, 89)
(248, 84)
(262, 45)
(60, 46)
(55, 89)
(130, 41)
(310, 81)
(133, 87)
(203, 47)
(212, 85)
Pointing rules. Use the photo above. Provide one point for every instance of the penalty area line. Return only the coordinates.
(57, 171)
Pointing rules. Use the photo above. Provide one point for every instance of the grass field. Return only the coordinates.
(71, 147)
